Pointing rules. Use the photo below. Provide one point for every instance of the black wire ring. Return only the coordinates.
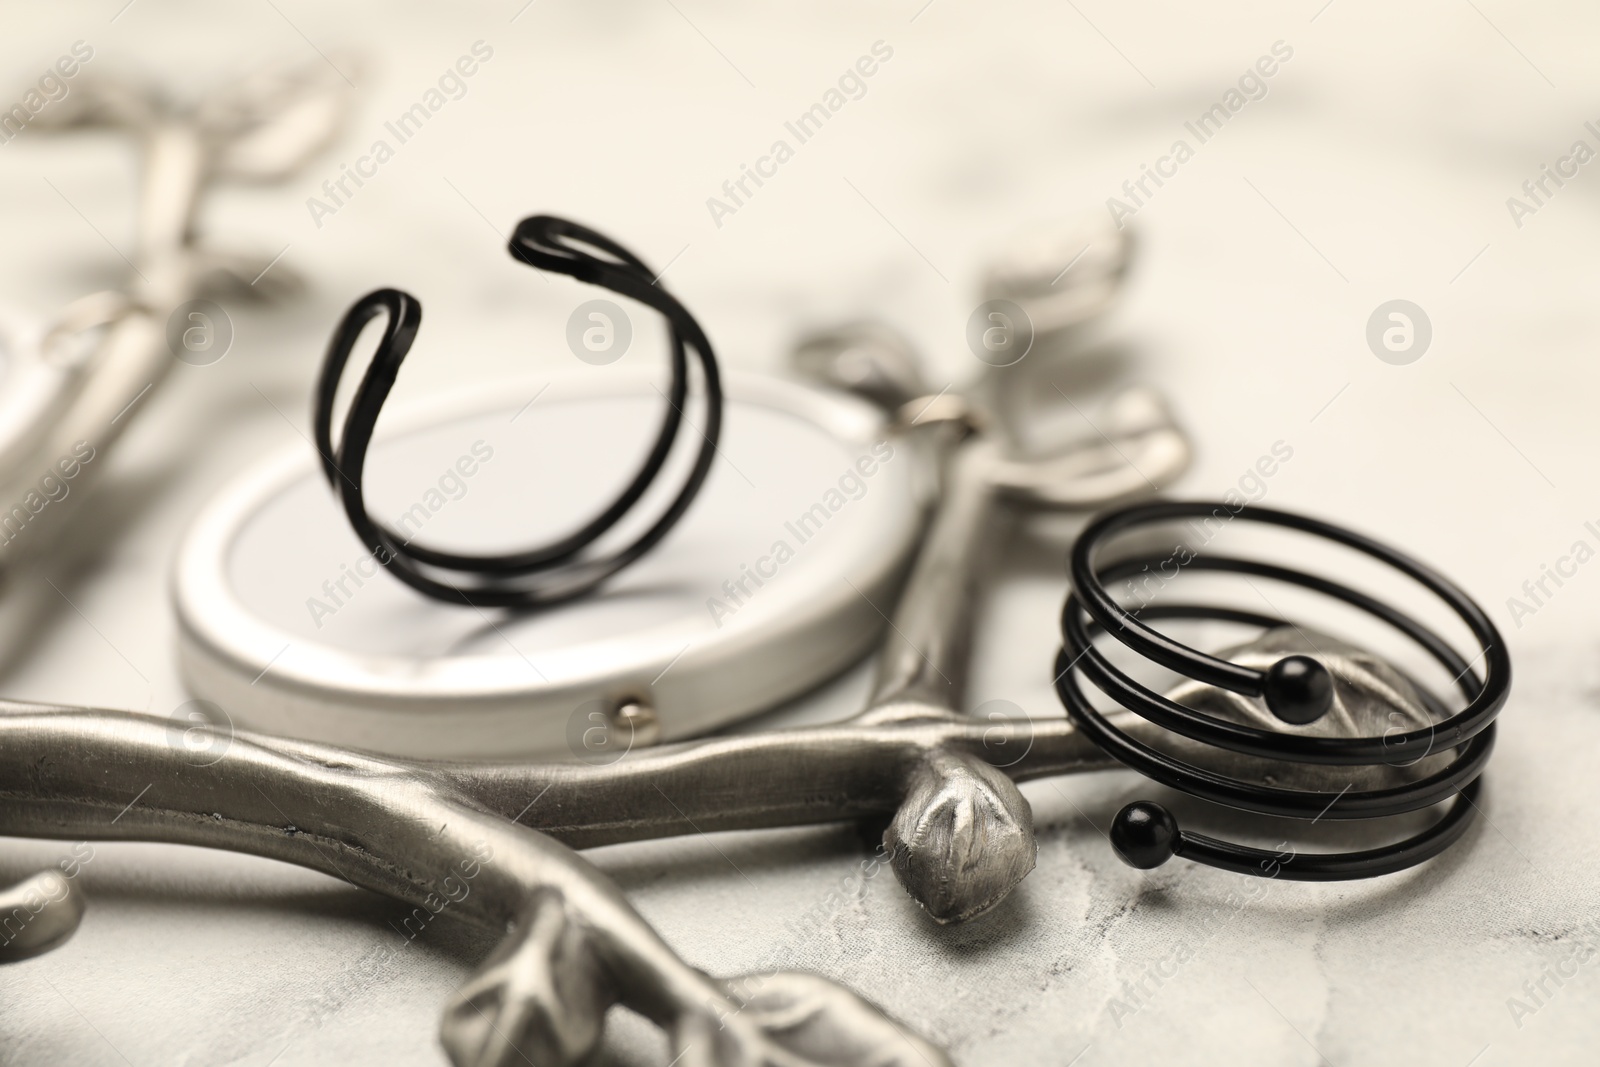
(1298, 689)
(546, 243)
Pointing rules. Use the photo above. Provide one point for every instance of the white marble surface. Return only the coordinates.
(1377, 166)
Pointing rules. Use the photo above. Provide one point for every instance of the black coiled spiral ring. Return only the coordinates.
(558, 571)
(1297, 689)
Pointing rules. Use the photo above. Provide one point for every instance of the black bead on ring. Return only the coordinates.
(1297, 689)
(559, 571)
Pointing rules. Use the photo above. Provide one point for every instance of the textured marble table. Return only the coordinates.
(1384, 157)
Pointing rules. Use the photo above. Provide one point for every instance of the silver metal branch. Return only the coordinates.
(407, 830)
(446, 835)
(263, 130)
(440, 835)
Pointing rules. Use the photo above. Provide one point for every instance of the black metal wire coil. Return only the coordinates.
(560, 570)
(1297, 689)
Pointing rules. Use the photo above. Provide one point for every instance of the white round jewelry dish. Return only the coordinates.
(779, 576)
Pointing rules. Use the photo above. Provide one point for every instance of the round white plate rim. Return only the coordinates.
(222, 641)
